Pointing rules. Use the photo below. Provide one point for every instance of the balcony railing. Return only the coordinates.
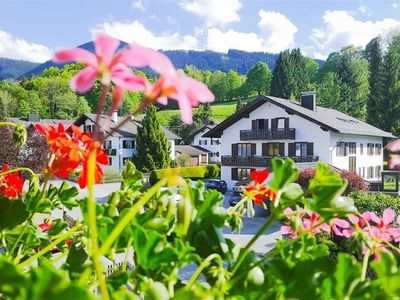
(268, 134)
(260, 161)
(110, 152)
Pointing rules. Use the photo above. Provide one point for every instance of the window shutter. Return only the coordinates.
(282, 149)
(286, 123)
(234, 149)
(346, 150)
(310, 149)
(264, 149)
(254, 124)
(234, 173)
(265, 123)
(253, 149)
(274, 123)
(292, 149)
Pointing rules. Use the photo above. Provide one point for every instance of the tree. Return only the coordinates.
(234, 81)
(374, 55)
(259, 78)
(203, 114)
(290, 76)
(2, 110)
(329, 92)
(219, 86)
(239, 104)
(153, 148)
(182, 129)
(312, 68)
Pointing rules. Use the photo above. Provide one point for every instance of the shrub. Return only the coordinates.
(213, 171)
(183, 160)
(376, 202)
(195, 172)
(355, 181)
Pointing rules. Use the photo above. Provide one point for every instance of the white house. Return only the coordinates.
(121, 145)
(307, 133)
(213, 145)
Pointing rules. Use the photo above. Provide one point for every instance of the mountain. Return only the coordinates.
(239, 61)
(13, 68)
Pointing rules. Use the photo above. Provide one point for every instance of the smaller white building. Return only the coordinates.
(213, 145)
(121, 145)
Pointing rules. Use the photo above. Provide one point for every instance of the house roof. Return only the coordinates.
(327, 118)
(28, 122)
(129, 129)
(190, 138)
(191, 150)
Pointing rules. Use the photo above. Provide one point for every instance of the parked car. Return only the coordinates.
(214, 184)
(236, 195)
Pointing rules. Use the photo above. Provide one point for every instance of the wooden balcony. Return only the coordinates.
(110, 152)
(260, 161)
(268, 134)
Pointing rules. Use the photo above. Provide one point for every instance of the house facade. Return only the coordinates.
(198, 155)
(213, 145)
(270, 127)
(121, 145)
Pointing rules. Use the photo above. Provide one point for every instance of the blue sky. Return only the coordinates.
(33, 29)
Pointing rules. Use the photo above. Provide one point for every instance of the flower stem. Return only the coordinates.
(21, 233)
(17, 170)
(50, 246)
(127, 218)
(365, 265)
(91, 203)
(243, 253)
(100, 109)
(200, 269)
(6, 123)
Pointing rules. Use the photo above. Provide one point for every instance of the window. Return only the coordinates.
(107, 144)
(273, 149)
(202, 142)
(215, 142)
(261, 124)
(363, 172)
(244, 150)
(243, 173)
(341, 149)
(88, 128)
(370, 149)
(128, 144)
(301, 149)
(378, 149)
(378, 171)
(361, 149)
(370, 172)
(352, 148)
(110, 161)
(280, 123)
(352, 164)
(360, 171)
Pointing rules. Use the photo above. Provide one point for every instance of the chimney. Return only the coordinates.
(309, 100)
(114, 117)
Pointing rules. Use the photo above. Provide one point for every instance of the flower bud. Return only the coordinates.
(19, 135)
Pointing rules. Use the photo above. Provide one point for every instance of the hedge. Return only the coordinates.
(376, 202)
(195, 172)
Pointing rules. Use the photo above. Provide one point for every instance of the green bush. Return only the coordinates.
(376, 202)
(195, 172)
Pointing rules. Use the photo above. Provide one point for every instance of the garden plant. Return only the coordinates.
(158, 236)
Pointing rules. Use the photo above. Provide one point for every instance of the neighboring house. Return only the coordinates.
(198, 155)
(269, 127)
(213, 145)
(33, 119)
(121, 145)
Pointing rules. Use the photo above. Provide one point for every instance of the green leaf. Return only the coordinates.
(325, 188)
(12, 213)
(285, 172)
(12, 282)
(76, 258)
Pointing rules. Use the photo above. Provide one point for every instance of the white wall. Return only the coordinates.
(306, 131)
(362, 160)
(213, 148)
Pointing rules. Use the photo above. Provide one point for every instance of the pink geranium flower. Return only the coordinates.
(105, 63)
(172, 83)
(308, 221)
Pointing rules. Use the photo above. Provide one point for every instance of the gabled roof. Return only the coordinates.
(327, 118)
(26, 122)
(201, 129)
(129, 129)
(191, 150)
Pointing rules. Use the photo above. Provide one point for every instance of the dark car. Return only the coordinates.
(236, 196)
(214, 184)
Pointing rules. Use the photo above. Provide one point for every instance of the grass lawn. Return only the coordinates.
(220, 111)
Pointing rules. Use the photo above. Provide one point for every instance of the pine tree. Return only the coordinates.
(375, 115)
(203, 114)
(290, 76)
(153, 149)
(391, 88)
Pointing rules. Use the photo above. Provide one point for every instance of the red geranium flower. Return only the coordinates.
(258, 190)
(11, 184)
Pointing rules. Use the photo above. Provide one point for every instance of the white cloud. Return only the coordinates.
(17, 48)
(341, 29)
(276, 34)
(364, 9)
(138, 4)
(396, 5)
(214, 12)
(276, 30)
(220, 41)
(137, 32)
